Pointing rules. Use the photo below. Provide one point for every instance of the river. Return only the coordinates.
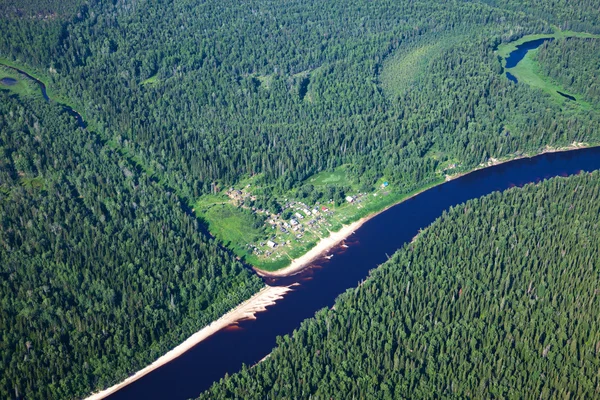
(250, 341)
(319, 285)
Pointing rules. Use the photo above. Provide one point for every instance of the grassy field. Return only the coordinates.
(527, 71)
(150, 81)
(23, 87)
(235, 224)
(338, 177)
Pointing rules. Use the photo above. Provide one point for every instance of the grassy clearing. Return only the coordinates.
(338, 177)
(44, 77)
(527, 71)
(505, 49)
(265, 80)
(24, 86)
(236, 226)
(150, 81)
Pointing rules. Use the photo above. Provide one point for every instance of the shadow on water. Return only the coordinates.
(318, 286)
(568, 96)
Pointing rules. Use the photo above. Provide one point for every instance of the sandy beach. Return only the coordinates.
(259, 302)
(270, 294)
(326, 244)
(335, 238)
(322, 246)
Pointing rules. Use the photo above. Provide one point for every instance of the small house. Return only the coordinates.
(271, 244)
(384, 185)
(349, 199)
(293, 222)
(300, 216)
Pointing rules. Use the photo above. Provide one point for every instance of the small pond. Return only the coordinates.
(8, 81)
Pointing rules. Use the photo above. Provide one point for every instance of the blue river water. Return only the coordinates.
(250, 341)
(517, 55)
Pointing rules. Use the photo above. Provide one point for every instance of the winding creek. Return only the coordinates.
(317, 286)
(517, 55)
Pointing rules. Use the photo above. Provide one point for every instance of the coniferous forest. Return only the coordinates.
(102, 271)
(496, 299)
(573, 63)
(104, 265)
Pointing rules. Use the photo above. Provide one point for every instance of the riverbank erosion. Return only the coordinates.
(266, 297)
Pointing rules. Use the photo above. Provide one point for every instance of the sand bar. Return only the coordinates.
(259, 302)
(270, 294)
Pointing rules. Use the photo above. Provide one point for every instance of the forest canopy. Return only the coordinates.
(104, 265)
(101, 270)
(498, 298)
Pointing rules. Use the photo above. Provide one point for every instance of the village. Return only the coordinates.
(299, 226)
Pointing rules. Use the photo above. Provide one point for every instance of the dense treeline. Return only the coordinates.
(101, 270)
(575, 64)
(582, 15)
(498, 298)
(39, 9)
(205, 92)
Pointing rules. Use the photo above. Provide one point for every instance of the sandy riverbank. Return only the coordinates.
(259, 302)
(269, 295)
(335, 238)
(326, 244)
(494, 161)
(322, 246)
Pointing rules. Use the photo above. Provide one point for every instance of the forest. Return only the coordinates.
(101, 270)
(498, 298)
(104, 264)
(574, 64)
(300, 91)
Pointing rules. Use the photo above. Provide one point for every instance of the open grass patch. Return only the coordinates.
(337, 177)
(17, 83)
(236, 227)
(150, 81)
(527, 71)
